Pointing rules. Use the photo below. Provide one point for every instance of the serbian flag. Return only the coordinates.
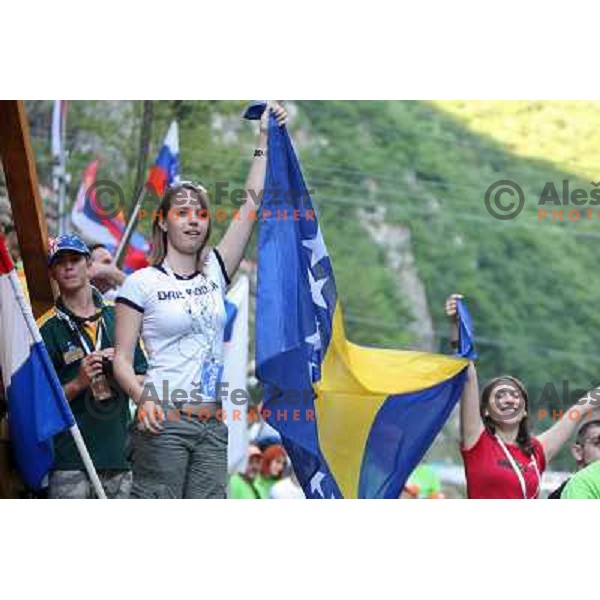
(37, 407)
(93, 222)
(165, 171)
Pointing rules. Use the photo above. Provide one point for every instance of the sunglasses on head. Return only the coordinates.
(192, 184)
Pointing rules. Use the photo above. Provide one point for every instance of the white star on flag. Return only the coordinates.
(316, 290)
(315, 339)
(317, 248)
(315, 483)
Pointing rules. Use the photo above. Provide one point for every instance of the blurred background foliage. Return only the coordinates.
(530, 284)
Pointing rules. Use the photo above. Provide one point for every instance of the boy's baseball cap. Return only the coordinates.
(68, 242)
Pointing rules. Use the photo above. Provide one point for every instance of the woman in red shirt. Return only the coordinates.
(502, 459)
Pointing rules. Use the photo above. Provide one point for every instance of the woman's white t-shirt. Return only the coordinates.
(182, 330)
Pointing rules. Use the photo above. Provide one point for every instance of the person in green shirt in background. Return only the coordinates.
(241, 485)
(423, 483)
(585, 451)
(584, 485)
(274, 461)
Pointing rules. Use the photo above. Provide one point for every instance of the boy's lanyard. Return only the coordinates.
(517, 471)
(77, 331)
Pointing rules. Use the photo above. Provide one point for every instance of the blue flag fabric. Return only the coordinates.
(355, 421)
(466, 345)
(295, 305)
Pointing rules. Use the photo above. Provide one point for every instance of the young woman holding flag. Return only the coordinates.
(177, 305)
(502, 459)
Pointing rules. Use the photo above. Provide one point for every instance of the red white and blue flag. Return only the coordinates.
(37, 407)
(165, 171)
(95, 223)
(92, 220)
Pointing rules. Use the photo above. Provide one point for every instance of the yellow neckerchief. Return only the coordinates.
(91, 328)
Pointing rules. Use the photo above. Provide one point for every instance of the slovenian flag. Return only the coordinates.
(37, 407)
(165, 171)
(355, 421)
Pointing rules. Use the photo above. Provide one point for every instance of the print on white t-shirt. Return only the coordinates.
(182, 330)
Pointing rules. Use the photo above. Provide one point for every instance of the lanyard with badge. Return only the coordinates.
(517, 471)
(204, 323)
(77, 331)
(99, 384)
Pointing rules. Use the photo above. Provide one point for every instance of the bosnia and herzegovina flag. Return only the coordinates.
(37, 407)
(95, 224)
(354, 420)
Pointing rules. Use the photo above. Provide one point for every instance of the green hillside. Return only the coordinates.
(531, 285)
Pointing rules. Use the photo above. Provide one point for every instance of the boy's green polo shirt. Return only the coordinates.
(104, 425)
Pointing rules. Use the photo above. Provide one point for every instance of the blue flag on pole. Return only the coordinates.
(355, 421)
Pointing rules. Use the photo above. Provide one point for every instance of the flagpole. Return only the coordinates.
(59, 169)
(74, 429)
(172, 144)
(87, 461)
(56, 162)
(62, 217)
(120, 253)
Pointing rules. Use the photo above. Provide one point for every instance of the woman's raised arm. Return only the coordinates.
(234, 242)
(471, 424)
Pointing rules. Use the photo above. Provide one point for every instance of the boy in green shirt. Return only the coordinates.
(79, 335)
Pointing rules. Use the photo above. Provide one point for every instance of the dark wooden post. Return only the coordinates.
(20, 173)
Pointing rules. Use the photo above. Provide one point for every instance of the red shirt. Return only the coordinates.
(490, 474)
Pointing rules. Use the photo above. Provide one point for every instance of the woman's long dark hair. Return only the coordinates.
(524, 440)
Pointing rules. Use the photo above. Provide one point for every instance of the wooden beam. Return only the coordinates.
(20, 173)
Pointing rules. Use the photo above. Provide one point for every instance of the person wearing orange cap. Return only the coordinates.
(272, 469)
(241, 485)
